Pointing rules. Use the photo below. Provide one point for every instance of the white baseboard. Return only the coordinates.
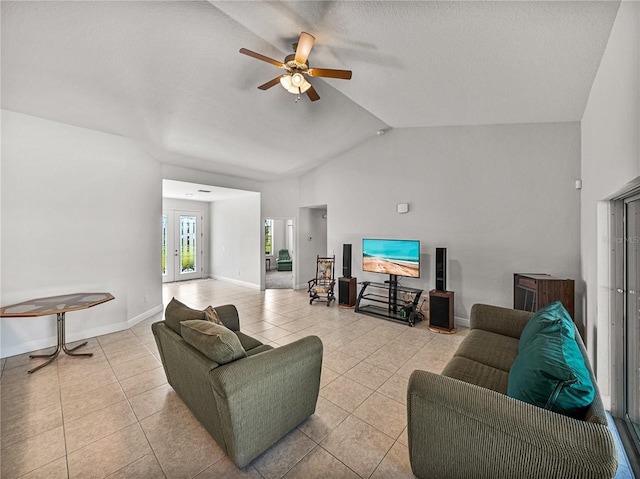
(461, 322)
(147, 314)
(51, 342)
(235, 281)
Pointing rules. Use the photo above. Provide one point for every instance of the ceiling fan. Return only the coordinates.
(297, 68)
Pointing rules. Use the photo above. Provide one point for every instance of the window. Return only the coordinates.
(268, 237)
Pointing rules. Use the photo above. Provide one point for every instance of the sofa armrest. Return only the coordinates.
(228, 314)
(505, 321)
(456, 428)
(262, 397)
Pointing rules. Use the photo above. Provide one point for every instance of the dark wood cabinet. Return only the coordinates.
(533, 291)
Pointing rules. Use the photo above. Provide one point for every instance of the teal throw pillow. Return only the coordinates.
(216, 342)
(546, 317)
(550, 370)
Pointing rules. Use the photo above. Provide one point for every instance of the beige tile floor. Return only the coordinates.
(114, 415)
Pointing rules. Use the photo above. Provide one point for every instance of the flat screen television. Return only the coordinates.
(393, 257)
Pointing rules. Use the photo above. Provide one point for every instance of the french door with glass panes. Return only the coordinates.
(182, 248)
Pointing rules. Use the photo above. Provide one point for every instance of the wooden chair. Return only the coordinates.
(324, 281)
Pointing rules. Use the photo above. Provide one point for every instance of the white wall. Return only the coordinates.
(610, 159)
(177, 173)
(237, 240)
(279, 236)
(500, 198)
(80, 210)
(280, 198)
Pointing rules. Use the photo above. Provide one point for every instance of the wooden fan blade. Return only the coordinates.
(327, 72)
(304, 47)
(270, 83)
(313, 94)
(262, 57)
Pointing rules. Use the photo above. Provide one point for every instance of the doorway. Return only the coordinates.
(182, 251)
(279, 239)
(313, 239)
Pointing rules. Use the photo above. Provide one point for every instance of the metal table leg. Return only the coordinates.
(60, 346)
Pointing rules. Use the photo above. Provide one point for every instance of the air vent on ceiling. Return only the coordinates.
(204, 191)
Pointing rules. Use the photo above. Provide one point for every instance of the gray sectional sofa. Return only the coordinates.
(463, 423)
(254, 395)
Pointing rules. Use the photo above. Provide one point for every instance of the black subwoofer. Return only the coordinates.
(441, 310)
(347, 291)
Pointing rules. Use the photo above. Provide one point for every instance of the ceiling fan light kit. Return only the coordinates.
(295, 83)
(297, 67)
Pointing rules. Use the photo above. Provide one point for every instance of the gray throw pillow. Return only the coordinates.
(177, 312)
(216, 342)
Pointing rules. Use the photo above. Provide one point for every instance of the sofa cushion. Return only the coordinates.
(473, 372)
(550, 370)
(248, 343)
(251, 345)
(216, 342)
(260, 349)
(177, 312)
(491, 349)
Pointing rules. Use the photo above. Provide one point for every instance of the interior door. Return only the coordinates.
(182, 248)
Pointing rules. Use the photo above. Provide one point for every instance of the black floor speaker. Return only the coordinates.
(346, 260)
(441, 269)
(347, 292)
(441, 311)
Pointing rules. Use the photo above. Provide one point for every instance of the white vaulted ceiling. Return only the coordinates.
(169, 73)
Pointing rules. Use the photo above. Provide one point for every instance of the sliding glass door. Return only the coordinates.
(632, 323)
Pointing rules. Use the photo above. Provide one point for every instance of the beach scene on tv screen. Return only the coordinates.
(399, 257)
